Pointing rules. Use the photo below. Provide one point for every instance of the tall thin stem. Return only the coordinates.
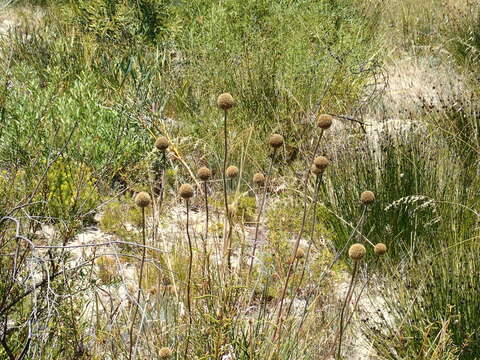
(259, 215)
(297, 242)
(225, 159)
(205, 264)
(350, 288)
(135, 311)
(225, 196)
(312, 234)
(206, 209)
(162, 180)
(190, 260)
(355, 306)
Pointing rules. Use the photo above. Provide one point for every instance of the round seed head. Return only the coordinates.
(324, 121)
(259, 179)
(165, 353)
(357, 252)
(204, 173)
(142, 199)
(152, 291)
(315, 170)
(300, 253)
(321, 162)
(231, 172)
(276, 140)
(162, 143)
(186, 191)
(380, 249)
(367, 197)
(225, 101)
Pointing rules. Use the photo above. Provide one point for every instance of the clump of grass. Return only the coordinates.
(434, 301)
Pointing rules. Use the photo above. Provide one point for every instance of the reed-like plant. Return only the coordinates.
(142, 200)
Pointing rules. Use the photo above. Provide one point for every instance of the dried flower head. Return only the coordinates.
(357, 252)
(324, 121)
(152, 291)
(165, 353)
(162, 143)
(315, 170)
(380, 249)
(259, 179)
(231, 172)
(204, 173)
(300, 253)
(367, 197)
(276, 140)
(225, 101)
(186, 191)
(142, 199)
(321, 162)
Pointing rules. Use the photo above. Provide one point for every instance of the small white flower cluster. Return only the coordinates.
(420, 202)
(425, 202)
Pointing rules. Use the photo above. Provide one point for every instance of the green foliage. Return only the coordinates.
(87, 92)
(69, 190)
(246, 207)
(462, 31)
(121, 20)
(452, 278)
(118, 213)
(284, 222)
(413, 170)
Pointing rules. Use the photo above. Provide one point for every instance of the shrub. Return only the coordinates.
(69, 190)
(122, 20)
